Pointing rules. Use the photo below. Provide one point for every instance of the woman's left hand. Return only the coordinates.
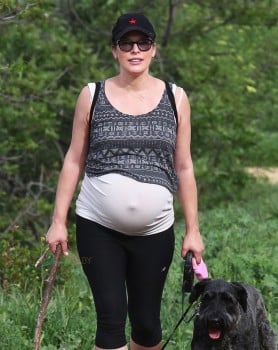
(193, 242)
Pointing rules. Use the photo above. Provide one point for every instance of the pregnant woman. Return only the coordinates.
(135, 154)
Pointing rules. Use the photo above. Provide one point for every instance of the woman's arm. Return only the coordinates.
(72, 169)
(187, 190)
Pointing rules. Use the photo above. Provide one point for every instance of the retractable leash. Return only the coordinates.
(187, 284)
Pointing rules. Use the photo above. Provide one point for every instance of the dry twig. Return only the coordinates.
(41, 258)
(47, 293)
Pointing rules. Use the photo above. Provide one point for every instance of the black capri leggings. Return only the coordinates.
(127, 276)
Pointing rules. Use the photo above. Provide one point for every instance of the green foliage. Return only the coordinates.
(222, 67)
(265, 151)
(18, 260)
(67, 309)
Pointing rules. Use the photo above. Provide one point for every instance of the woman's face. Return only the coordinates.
(134, 52)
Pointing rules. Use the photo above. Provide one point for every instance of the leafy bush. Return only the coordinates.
(18, 260)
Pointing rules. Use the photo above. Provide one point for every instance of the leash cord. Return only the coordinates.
(177, 325)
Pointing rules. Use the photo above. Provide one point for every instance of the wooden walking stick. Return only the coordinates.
(47, 293)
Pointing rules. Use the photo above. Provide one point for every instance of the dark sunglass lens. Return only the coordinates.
(144, 45)
(125, 46)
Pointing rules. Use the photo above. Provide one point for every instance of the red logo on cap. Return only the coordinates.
(132, 21)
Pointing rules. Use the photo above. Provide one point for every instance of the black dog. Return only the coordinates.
(231, 316)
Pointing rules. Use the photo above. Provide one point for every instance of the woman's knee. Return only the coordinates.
(147, 333)
(110, 335)
(111, 322)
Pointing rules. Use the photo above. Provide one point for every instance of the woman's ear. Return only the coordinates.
(154, 51)
(114, 52)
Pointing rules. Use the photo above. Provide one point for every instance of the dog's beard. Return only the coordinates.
(218, 325)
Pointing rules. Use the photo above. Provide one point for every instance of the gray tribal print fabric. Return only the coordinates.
(141, 147)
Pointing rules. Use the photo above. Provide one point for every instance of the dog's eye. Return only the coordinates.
(208, 296)
(227, 298)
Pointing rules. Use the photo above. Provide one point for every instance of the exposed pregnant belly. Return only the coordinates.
(126, 205)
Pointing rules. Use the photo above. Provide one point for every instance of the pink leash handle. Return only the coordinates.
(200, 270)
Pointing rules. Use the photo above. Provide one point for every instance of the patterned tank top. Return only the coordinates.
(141, 147)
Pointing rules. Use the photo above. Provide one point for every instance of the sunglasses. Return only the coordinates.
(127, 45)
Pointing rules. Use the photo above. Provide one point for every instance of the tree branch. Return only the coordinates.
(46, 295)
(167, 33)
(10, 16)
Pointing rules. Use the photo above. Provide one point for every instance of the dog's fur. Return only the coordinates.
(230, 316)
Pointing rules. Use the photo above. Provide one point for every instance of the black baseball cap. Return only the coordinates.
(132, 22)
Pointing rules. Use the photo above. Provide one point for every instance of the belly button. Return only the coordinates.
(132, 206)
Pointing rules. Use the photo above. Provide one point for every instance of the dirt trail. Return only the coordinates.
(270, 173)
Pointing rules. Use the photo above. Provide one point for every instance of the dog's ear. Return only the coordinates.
(241, 295)
(198, 290)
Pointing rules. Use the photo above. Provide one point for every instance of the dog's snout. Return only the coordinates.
(214, 322)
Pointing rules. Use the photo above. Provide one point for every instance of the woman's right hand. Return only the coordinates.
(57, 234)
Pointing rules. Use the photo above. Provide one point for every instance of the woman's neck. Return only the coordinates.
(134, 83)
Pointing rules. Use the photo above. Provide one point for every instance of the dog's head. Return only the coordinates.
(221, 305)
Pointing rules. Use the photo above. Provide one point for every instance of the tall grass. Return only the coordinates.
(241, 244)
